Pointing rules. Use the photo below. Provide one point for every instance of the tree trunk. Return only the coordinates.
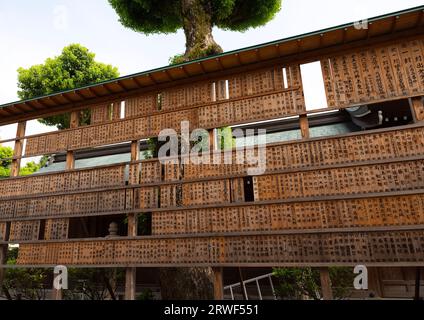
(186, 283)
(197, 25)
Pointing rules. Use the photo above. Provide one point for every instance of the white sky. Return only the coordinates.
(31, 31)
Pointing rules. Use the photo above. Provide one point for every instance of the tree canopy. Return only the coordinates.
(28, 169)
(74, 67)
(196, 17)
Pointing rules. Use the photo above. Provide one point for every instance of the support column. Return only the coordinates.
(19, 144)
(327, 293)
(218, 283)
(374, 281)
(74, 123)
(417, 106)
(212, 140)
(417, 296)
(130, 272)
(70, 165)
(304, 126)
(14, 172)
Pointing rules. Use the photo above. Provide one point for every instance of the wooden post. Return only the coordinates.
(70, 159)
(417, 106)
(14, 172)
(243, 291)
(374, 281)
(3, 256)
(70, 165)
(417, 283)
(327, 293)
(304, 126)
(130, 272)
(218, 283)
(212, 140)
(19, 144)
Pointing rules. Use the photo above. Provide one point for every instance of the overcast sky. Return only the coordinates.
(31, 31)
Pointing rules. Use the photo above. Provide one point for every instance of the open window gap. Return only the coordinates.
(313, 86)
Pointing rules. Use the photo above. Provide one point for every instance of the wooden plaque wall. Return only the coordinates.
(341, 200)
(371, 248)
(372, 74)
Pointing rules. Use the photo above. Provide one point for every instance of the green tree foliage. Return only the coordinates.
(93, 283)
(24, 284)
(5, 152)
(74, 67)
(196, 18)
(29, 168)
(304, 283)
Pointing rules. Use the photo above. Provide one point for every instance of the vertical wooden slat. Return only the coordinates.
(130, 273)
(14, 172)
(304, 126)
(418, 108)
(70, 164)
(327, 293)
(218, 281)
(16, 163)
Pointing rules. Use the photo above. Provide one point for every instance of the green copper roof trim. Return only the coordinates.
(305, 35)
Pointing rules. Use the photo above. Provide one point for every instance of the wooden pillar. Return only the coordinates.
(304, 126)
(70, 165)
(130, 272)
(327, 293)
(218, 283)
(14, 172)
(212, 140)
(19, 144)
(374, 281)
(70, 159)
(417, 106)
(417, 283)
(3, 255)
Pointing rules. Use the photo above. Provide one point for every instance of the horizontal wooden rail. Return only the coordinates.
(120, 184)
(233, 205)
(273, 250)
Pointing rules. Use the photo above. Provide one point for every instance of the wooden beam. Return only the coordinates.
(70, 158)
(16, 163)
(151, 78)
(131, 273)
(417, 283)
(201, 67)
(327, 292)
(169, 75)
(80, 95)
(417, 106)
(218, 283)
(29, 104)
(304, 126)
(185, 71)
(375, 282)
(137, 82)
(212, 140)
(94, 92)
(121, 86)
(107, 89)
(221, 67)
(3, 260)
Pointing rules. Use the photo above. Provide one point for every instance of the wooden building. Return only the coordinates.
(341, 200)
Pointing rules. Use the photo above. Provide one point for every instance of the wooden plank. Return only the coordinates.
(332, 249)
(17, 152)
(327, 292)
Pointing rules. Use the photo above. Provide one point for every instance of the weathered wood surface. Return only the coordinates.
(355, 198)
(266, 250)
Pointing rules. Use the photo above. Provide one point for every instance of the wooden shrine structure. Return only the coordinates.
(344, 200)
